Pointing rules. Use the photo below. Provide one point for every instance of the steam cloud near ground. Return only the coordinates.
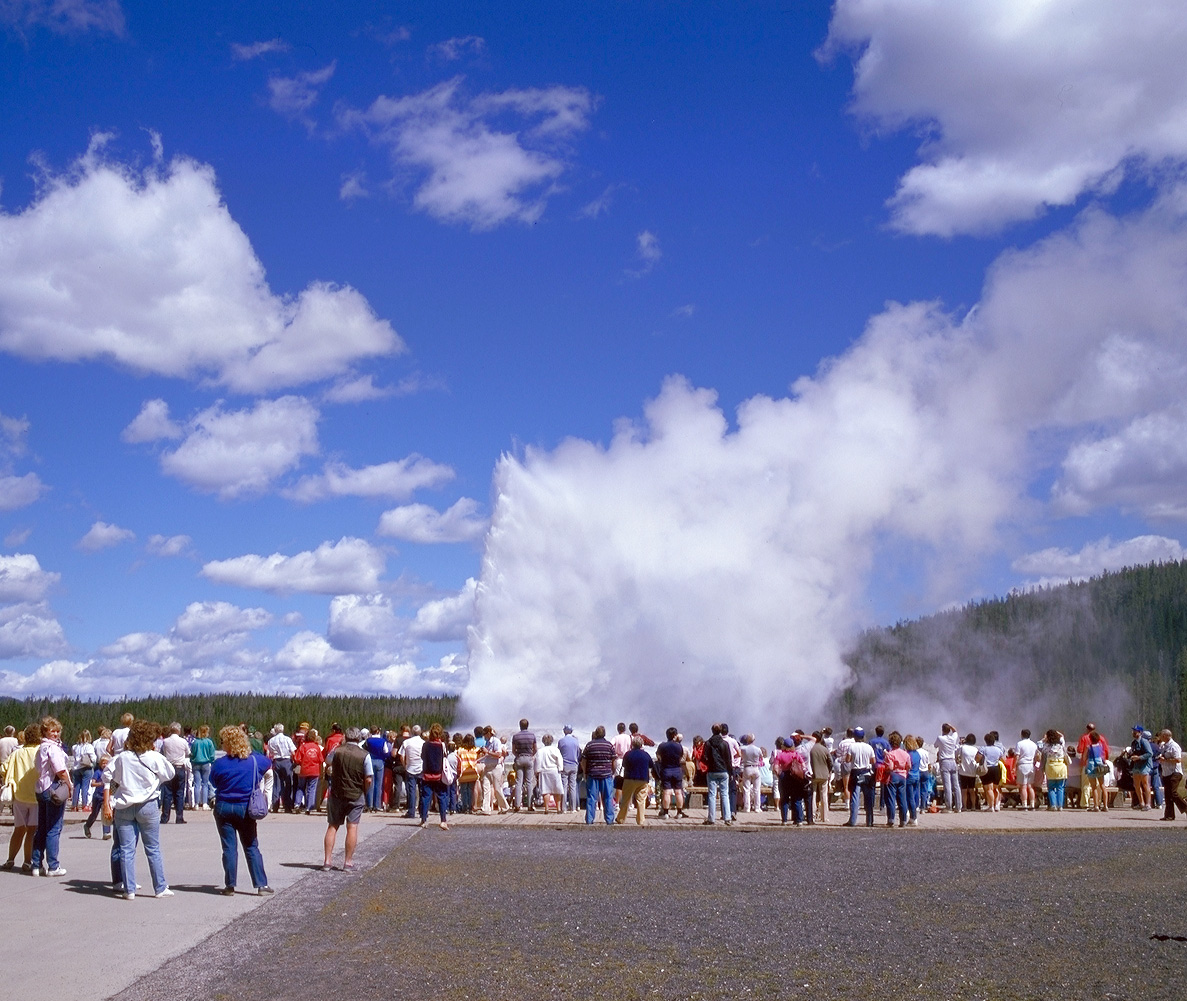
(692, 570)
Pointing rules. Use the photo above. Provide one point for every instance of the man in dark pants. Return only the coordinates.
(177, 752)
(1170, 762)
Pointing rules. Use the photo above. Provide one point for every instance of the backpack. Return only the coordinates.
(795, 769)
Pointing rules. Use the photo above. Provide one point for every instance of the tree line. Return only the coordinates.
(1112, 649)
(259, 711)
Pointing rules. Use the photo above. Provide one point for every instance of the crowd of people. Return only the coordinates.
(135, 778)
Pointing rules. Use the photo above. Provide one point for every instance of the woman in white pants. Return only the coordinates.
(752, 762)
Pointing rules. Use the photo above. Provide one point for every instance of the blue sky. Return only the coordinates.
(366, 346)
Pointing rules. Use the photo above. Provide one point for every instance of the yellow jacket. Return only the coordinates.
(20, 775)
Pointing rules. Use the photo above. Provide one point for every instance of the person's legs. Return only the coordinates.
(569, 777)
(412, 793)
(591, 806)
(426, 794)
(126, 835)
(55, 816)
(952, 792)
(375, 793)
(148, 822)
(716, 785)
(868, 795)
(224, 823)
(640, 799)
(248, 833)
(328, 842)
(352, 839)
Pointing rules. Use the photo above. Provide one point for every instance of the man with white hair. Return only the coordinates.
(281, 750)
(177, 752)
(1170, 761)
(413, 769)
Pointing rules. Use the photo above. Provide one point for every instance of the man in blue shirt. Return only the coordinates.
(570, 750)
(669, 759)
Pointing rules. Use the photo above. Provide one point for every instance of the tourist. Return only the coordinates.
(752, 763)
(202, 754)
(1096, 768)
(966, 770)
(899, 760)
(53, 793)
(234, 777)
(570, 749)
(548, 765)
(523, 752)
(379, 748)
(718, 758)
(669, 761)
(176, 750)
(820, 763)
(989, 757)
(1027, 751)
(598, 762)
(1054, 757)
(1170, 761)
(1141, 764)
(493, 800)
(134, 778)
(281, 750)
(20, 778)
(410, 749)
(349, 768)
(467, 760)
(947, 744)
(82, 766)
(433, 778)
(861, 777)
(636, 773)
(791, 774)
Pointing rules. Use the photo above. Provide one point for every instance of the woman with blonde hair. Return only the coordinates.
(134, 778)
(234, 777)
(202, 758)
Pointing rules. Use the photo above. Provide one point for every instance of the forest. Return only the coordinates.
(1112, 649)
(260, 712)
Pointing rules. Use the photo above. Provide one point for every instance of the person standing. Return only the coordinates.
(861, 777)
(53, 793)
(548, 765)
(379, 748)
(82, 766)
(570, 750)
(1170, 760)
(177, 752)
(20, 776)
(523, 750)
(413, 770)
(899, 760)
(636, 772)
(234, 776)
(133, 779)
(669, 760)
(947, 744)
(718, 758)
(1026, 751)
(308, 763)
(350, 775)
(598, 761)
(1054, 757)
(820, 760)
(493, 800)
(281, 750)
(1141, 764)
(202, 758)
(434, 778)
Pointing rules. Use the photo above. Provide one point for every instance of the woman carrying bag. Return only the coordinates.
(234, 778)
(133, 783)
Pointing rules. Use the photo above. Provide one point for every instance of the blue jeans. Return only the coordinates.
(599, 790)
(282, 788)
(948, 772)
(1055, 792)
(306, 792)
(861, 781)
(173, 796)
(231, 819)
(569, 780)
(49, 831)
(202, 788)
(896, 797)
(411, 793)
(914, 792)
(81, 777)
(427, 791)
(719, 785)
(375, 793)
(143, 819)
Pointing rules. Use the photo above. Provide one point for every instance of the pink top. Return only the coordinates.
(50, 760)
(900, 760)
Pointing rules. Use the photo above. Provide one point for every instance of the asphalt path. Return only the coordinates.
(525, 912)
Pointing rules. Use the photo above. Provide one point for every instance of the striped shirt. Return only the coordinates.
(599, 758)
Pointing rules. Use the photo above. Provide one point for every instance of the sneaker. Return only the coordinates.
(265, 891)
(106, 837)
(227, 891)
(59, 871)
(444, 826)
(86, 830)
(129, 896)
(165, 893)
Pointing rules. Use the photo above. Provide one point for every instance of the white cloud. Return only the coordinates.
(19, 491)
(147, 269)
(30, 630)
(239, 452)
(1022, 105)
(453, 49)
(15, 491)
(102, 535)
(23, 580)
(64, 16)
(17, 537)
(395, 479)
(1056, 566)
(648, 252)
(354, 185)
(151, 424)
(601, 204)
(293, 96)
(357, 391)
(421, 523)
(243, 53)
(346, 566)
(742, 554)
(685, 312)
(308, 652)
(173, 545)
(446, 618)
(476, 173)
(362, 622)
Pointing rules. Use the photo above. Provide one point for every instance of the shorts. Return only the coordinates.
(24, 814)
(671, 778)
(339, 811)
(992, 776)
(967, 781)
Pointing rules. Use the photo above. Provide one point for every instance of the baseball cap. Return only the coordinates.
(859, 731)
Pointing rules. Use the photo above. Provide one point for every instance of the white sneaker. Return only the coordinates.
(59, 871)
(165, 893)
(129, 896)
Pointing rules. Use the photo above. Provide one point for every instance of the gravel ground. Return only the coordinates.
(624, 913)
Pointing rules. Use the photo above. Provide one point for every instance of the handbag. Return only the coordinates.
(59, 793)
(257, 803)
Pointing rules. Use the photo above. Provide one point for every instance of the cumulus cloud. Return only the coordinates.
(1056, 566)
(446, 618)
(1021, 105)
(647, 252)
(346, 566)
(293, 96)
(64, 16)
(363, 622)
(151, 424)
(172, 545)
(421, 523)
(147, 269)
(30, 630)
(474, 171)
(102, 535)
(241, 452)
(23, 580)
(395, 479)
(19, 491)
(15, 491)
(738, 557)
(242, 53)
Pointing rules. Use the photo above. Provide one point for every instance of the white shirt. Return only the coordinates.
(924, 758)
(410, 755)
(176, 749)
(860, 755)
(119, 737)
(1026, 749)
(282, 747)
(1170, 758)
(7, 746)
(549, 759)
(136, 778)
(946, 745)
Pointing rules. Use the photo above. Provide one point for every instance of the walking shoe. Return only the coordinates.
(129, 896)
(444, 826)
(708, 823)
(86, 830)
(10, 864)
(165, 893)
(59, 871)
(106, 837)
(227, 891)
(265, 891)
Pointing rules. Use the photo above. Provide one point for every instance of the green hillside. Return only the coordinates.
(1112, 649)
(218, 710)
